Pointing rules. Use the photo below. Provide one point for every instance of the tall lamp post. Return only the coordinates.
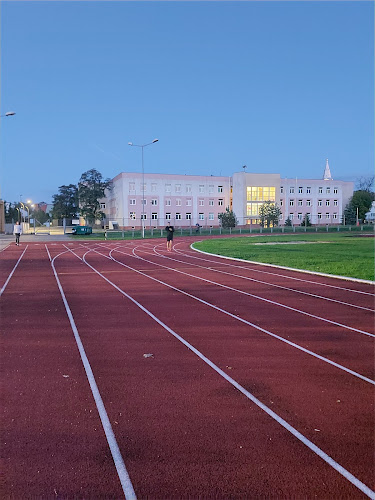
(142, 146)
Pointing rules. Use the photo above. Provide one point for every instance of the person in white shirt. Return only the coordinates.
(17, 231)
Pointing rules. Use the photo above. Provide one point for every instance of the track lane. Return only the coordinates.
(122, 274)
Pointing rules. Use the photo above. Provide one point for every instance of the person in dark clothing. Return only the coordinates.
(170, 231)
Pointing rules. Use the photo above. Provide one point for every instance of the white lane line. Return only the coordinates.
(195, 250)
(11, 274)
(259, 281)
(111, 439)
(324, 456)
(282, 339)
(256, 297)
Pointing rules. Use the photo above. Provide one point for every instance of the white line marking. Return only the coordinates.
(329, 460)
(111, 439)
(280, 275)
(11, 274)
(259, 281)
(254, 296)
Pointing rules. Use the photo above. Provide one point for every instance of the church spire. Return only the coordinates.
(327, 172)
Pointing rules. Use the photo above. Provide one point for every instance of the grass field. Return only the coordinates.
(331, 253)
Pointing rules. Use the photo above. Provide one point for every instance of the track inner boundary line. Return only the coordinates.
(319, 452)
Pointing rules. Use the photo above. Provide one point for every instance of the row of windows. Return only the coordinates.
(258, 193)
(308, 203)
(299, 190)
(168, 202)
(177, 188)
(320, 215)
(168, 216)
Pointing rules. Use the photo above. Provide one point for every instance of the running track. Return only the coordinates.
(133, 372)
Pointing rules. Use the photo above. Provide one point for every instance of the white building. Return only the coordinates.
(370, 215)
(187, 200)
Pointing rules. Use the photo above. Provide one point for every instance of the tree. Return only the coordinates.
(288, 222)
(306, 221)
(91, 188)
(11, 212)
(40, 215)
(65, 203)
(227, 218)
(361, 200)
(269, 214)
(365, 183)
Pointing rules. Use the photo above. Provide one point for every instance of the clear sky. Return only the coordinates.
(277, 86)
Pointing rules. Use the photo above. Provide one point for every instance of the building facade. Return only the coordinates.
(185, 200)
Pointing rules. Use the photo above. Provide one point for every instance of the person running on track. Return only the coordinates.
(17, 231)
(170, 231)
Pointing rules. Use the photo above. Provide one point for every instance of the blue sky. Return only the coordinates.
(276, 86)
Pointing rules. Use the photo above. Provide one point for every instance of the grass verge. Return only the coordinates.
(331, 253)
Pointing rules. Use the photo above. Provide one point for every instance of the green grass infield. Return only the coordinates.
(350, 255)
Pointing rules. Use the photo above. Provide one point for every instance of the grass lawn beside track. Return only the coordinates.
(331, 253)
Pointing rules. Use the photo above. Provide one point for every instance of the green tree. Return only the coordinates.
(306, 221)
(361, 200)
(11, 212)
(288, 222)
(269, 214)
(40, 215)
(227, 218)
(91, 189)
(65, 203)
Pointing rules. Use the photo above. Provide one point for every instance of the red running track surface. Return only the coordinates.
(139, 373)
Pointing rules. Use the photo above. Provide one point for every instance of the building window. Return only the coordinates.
(102, 205)
(188, 188)
(308, 190)
(300, 190)
(327, 203)
(220, 202)
(291, 216)
(210, 203)
(291, 190)
(154, 216)
(144, 202)
(178, 188)
(188, 216)
(335, 203)
(335, 190)
(178, 216)
(168, 202)
(178, 202)
(220, 189)
(334, 216)
(266, 193)
(211, 188)
(319, 215)
(167, 216)
(291, 203)
(281, 217)
(131, 187)
(153, 187)
(201, 203)
(328, 190)
(308, 203)
(154, 202)
(328, 215)
(319, 203)
(201, 216)
(299, 215)
(143, 216)
(188, 202)
(281, 190)
(300, 203)
(132, 215)
(168, 188)
(201, 188)
(143, 187)
(320, 190)
(281, 203)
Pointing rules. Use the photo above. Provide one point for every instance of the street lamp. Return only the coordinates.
(8, 113)
(143, 182)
